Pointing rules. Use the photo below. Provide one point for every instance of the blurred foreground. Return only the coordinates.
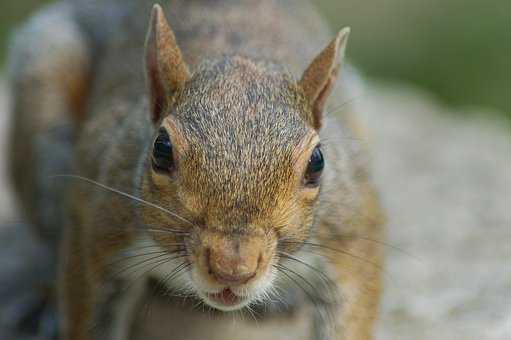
(446, 184)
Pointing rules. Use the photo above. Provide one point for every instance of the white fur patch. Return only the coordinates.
(145, 258)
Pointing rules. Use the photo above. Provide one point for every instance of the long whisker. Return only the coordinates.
(382, 243)
(323, 307)
(165, 256)
(129, 257)
(330, 284)
(137, 199)
(166, 231)
(163, 284)
(158, 229)
(155, 265)
(340, 251)
(301, 277)
(341, 106)
(165, 261)
(343, 252)
(175, 272)
(277, 292)
(284, 270)
(252, 314)
(155, 246)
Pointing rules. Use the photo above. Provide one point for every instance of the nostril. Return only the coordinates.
(230, 270)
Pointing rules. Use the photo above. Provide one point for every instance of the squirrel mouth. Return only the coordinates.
(226, 298)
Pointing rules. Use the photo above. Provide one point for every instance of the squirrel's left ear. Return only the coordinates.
(166, 70)
(319, 79)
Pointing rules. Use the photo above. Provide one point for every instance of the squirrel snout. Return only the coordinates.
(232, 266)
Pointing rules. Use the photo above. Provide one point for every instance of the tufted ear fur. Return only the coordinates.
(319, 79)
(166, 70)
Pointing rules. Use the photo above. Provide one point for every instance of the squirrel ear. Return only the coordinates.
(166, 70)
(319, 79)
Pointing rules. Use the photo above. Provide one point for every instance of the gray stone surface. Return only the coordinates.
(446, 183)
(6, 203)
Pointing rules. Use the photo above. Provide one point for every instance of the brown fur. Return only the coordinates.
(243, 129)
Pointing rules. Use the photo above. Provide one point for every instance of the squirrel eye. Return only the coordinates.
(314, 168)
(162, 158)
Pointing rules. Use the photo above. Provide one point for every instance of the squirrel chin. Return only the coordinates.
(225, 300)
(232, 299)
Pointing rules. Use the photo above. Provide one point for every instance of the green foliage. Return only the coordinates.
(459, 49)
(12, 12)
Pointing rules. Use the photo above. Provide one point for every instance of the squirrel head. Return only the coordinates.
(236, 161)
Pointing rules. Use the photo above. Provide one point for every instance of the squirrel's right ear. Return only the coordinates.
(166, 70)
(319, 79)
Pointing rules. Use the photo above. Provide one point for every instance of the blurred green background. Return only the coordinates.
(458, 49)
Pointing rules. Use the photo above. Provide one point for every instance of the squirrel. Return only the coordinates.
(214, 170)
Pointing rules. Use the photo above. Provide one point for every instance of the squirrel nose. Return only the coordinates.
(229, 267)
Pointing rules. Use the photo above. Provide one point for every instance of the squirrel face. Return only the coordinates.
(237, 164)
(236, 160)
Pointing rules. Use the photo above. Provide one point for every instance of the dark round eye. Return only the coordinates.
(314, 168)
(162, 157)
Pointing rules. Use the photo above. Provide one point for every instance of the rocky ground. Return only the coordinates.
(446, 184)
(6, 204)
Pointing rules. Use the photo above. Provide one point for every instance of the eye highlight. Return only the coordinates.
(314, 168)
(162, 157)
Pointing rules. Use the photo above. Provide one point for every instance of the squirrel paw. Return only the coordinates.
(28, 309)
(34, 314)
